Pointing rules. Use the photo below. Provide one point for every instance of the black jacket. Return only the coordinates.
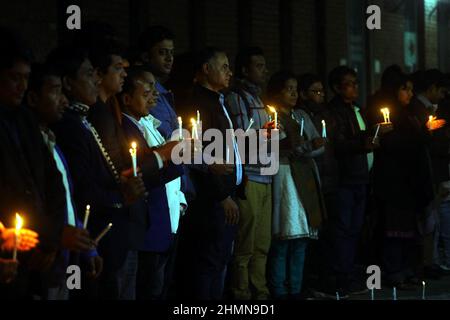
(94, 184)
(348, 141)
(207, 185)
(29, 180)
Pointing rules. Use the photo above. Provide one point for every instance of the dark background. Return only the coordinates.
(302, 35)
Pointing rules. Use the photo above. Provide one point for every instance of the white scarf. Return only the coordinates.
(175, 197)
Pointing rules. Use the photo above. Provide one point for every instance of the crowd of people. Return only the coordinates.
(355, 186)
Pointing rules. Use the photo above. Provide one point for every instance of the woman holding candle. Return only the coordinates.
(297, 205)
(402, 181)
(312, 102)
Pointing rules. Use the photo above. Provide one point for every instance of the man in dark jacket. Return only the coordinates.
(353, 148)
(212, 217)
(30, 183)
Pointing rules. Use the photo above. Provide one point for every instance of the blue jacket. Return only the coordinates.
(159, 236)
(164, 112)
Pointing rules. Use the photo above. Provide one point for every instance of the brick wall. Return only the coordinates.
(304, 37)
(173, 14)
(336, 33)
(221, 28)
(37, 24)
(265, 31)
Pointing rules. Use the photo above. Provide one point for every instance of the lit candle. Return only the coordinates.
(250, 124)
(272, 109)
(386, 113)
(180, 128)
(302, 126)
(324, 129)
(376, 134)
(394, 293)
(423, 290)
(198, 117)
(19, 224)
(86, 216)
(194, 129)
(430, 122)
(133, 153)
(104, 232)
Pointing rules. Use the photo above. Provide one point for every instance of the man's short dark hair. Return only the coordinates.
(204, 56)
(153, 35)
(306, 80)
(389, 74)
(101, 54)
(244, 57)
(423, 80)
(337, 75)
(39, 73)
(12, 49)
(67, 60)
(133, 73)
(278, 81)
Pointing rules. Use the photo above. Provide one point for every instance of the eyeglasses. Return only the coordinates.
(318, 92)
(350, 83)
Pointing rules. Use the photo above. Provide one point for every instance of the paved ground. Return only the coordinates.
(434, 290)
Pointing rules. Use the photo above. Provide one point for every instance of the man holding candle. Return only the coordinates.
(30, 182)
(353, 147)
(210, 224)
(247, 110)
(47, 101)
(165, 202)
(97, 180)
(27, 240)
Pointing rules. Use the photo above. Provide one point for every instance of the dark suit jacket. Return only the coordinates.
(205, 216)
(29, 181)
(95, 185)
(158, 236)
(31, 185)
(348, 141)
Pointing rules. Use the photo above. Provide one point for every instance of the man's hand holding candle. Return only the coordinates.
(318, 143)
(77, 240)
(371, 144)
(133, 188)
(95, 267)
(28, 239)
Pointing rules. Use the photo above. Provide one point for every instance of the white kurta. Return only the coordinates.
(175, 196)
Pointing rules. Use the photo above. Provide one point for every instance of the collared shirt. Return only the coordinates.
(164, 111)
(49, 139)
(362, 127)
(426, 102)
(175, 196)
(244, 103)
(238, 160)
(141, 128)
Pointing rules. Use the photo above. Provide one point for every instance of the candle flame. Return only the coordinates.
(323, 122)
(180, 120)
(19, 222)
(88, 207)
(193, 121)
(134, 145)
(272, 109)
(423, 282)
